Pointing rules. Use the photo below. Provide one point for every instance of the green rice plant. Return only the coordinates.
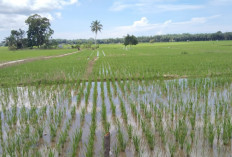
(80, 94)
(206, 119)
(114, 86)
(26, 147)
(193, 120)
(26, 131)
(211, 134)
(188, 149)
(116, 150)
(128, 86)
(11, 146)
(112, 105)
(102, 91)
(40, 128)
(226, 131)
(108, 86)
(82, 114)
(33, 114)
(121, 85)
(43, 111)
(88, 91)
(121, 141)
(218, 132)
(172, 149)
(75, 141)
(53, 129)
(36, 153)
(14, 114)
(51, 153)
(103, 113)
(107, 127)
(123, 110)
(183, 130)
(162, 134)
(51, 113)
(150, 138)
(133, 109)
(146, 112)
(73, 112)
(136, 142)
(62, 138)
(9, 119)
(113, 108)
(130, 129)
(149, 135)
(1, 137)
(192, 135)
(58, 118)
(89, 147)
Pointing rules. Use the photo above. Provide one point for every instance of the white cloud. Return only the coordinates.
(144, 27)
(197, 20)
(142, 22)
(152, 6)
(220, 2)
(32, 6)
(171, 7)
(58, 15)
(16, 21)
(118, 6)
(47, 15)
(13, 13)
(12, 21)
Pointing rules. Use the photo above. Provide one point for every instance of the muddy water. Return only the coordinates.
(209, 97)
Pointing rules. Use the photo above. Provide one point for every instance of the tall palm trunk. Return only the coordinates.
(95, 39)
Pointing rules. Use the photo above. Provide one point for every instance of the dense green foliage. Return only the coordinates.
(39, 30)
(130, 40)
(16, 40)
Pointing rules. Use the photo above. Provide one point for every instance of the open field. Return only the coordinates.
(169, 60)
(161, 99)
(192, 59)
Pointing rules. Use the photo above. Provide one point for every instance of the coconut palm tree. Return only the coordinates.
(95, 27)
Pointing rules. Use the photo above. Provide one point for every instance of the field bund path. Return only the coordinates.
(33, 59)
(90, 68)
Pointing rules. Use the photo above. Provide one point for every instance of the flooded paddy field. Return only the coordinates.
(180, 117)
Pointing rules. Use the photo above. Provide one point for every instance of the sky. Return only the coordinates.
(71, 19)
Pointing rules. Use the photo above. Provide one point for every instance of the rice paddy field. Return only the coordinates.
(161, 99)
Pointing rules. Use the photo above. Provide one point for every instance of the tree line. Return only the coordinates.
(187, 37)
(157, 38)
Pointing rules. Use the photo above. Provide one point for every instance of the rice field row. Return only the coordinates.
(183, 117)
